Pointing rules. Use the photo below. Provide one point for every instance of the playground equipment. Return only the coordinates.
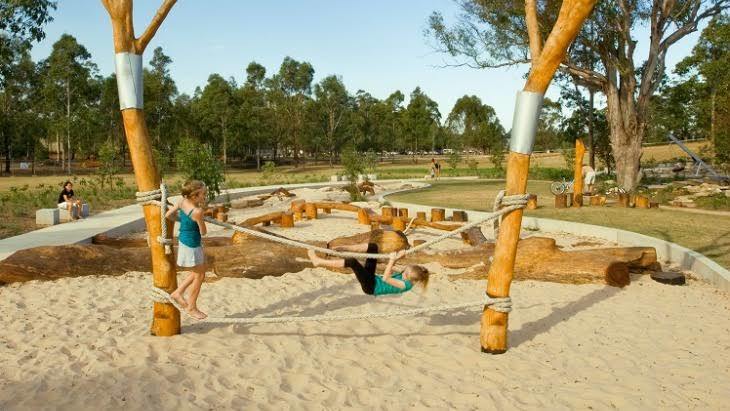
(699, 163)
(544, 60)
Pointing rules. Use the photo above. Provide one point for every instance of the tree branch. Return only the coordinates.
(149, 33)
(533, 28)
(588, 76)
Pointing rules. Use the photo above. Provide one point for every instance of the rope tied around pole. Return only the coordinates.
(158, 197)
(502, 200)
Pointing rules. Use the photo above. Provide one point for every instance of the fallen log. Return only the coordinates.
(102, 239)
(387, 241)
(537, 259)
(331, 205)
(265, 219)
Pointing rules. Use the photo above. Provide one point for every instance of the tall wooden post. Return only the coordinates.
(166, 318)
(580, 151)
(493, 336)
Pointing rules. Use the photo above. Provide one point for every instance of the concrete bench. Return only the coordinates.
(84, 212)
(47, 216)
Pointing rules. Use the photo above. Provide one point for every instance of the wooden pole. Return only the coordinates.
(363, 217)
(493, 335)
(580, 151)
(165, 317)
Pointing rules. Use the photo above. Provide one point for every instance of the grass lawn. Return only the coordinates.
(707, 234)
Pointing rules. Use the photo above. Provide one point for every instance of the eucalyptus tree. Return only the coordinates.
(68, 83)
(366, 118)
(476, 124)
(252, 116)
(495, 34)
(332, 104)
(289, 90)
(706, 68)
(21, 24)
(160, 92)
(421, 114)
(215, 110)
(20, 123)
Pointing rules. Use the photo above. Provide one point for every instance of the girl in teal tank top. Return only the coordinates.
(190, 256)
(391, 282)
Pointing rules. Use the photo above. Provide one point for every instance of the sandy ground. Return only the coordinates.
(83, 343)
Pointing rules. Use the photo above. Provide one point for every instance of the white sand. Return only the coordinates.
(83, 344)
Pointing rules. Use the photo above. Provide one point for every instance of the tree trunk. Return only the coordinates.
(6, 143)
(713, 117)
(591, 129)
(68, 124)
(626, 132)
(166, 318)
(225, 143)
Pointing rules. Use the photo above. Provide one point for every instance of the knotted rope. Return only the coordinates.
(502, 200)
(503, 305)
(158, 197)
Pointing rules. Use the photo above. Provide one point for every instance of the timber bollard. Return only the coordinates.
(561, 200)
(287, 219)
(438, 214)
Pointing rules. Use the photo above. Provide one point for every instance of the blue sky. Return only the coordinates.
(377, 46)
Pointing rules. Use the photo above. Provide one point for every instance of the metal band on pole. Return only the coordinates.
(129, 80)
(525, 121)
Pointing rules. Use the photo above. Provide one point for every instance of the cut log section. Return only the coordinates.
(310, 210)
(421, 215)
(386, 212)
(532, 202)
(287, 219)
(641, 201)
(624, 200)
(265, 219)
(387, 241)
(459, 216)
(403, 212)
(399, 223)
(438, 214)
(561, 200)
(363, 217)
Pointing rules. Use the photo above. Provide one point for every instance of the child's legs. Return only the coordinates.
(365, 277)
(371, 263)
(197, 275)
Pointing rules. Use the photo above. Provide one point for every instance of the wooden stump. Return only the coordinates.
(297, 207)
(624, 200)
(375, 225)
(577, 200)
(561, 200)
(421, 215)
(418, 242)
(459, 216)
(327, 210)
(266, 223)
(363, 217)
(438, 214)
(641, 201)
(386, 212)
(287, 219)
(596, 200)
(310, 210)
(403, 212)
(532, 202)
(399, 224)
(653, 204)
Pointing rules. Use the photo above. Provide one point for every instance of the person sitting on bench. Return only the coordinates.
(67, 201)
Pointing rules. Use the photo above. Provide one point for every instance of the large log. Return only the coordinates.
(387, 241)
(252, 257)
(102, 239)
(331, 205)
(265, 219)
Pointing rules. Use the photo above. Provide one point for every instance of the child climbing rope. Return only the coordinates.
(372, 284)
(190, 255)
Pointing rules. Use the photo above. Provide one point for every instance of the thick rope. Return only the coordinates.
(159, 198)
(349, 254)
(503, 305)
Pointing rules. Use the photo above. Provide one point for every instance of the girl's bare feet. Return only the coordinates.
(179, 299)
(197, 314)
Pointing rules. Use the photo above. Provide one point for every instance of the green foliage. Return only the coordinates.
(473, 165)
(454, 159)
(268, 171)
(354, 166)
(109, 167)
(568, 151)
(370, 162)
(498, 155)
(196, 162)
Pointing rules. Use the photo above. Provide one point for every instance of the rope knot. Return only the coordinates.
(499, 304)
(502, 200)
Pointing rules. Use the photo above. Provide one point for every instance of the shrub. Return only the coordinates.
(353, 165)
(473, 165)
(454, 159)
(108, 160)
(197, 162)
(568, 154)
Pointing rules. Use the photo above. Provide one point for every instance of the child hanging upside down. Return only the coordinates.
(389, 283)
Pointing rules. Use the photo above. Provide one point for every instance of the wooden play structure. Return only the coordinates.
(544, 62)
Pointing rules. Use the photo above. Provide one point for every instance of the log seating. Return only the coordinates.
(641, 201)
(459, 216)
(438, 214)
(561, 200)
